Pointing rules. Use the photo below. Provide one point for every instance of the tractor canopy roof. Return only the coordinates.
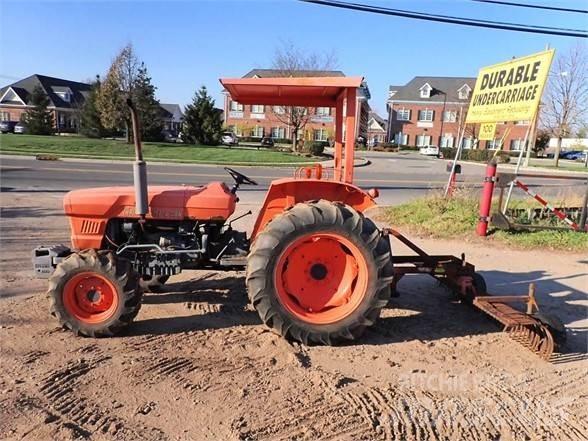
(288, 91)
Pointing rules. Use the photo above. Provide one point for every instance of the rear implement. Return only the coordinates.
(535, 330)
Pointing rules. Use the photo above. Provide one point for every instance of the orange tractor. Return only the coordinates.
(318, 270)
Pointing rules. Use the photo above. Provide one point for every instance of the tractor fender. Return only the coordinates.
(285, 193)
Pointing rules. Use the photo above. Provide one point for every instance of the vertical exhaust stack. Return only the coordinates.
(139, 167)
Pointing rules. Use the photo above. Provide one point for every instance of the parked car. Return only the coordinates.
(267, 142)
(429, 150)
(20, 128)
(229, 138)
(570, 154)
(7, 126)
(575, 156)
(169, 136)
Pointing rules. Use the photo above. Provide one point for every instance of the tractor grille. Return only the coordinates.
(90, 227)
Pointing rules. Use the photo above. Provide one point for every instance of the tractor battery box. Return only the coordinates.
(45, 259)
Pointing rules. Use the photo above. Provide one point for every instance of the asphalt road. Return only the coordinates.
(398, 177)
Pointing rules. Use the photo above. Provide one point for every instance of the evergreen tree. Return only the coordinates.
(148, 108)
(90, 123)
(202, 122)
(39, 119)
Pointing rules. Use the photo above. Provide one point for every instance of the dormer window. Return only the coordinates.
(464, 92)
(426, 91)
(64, 96)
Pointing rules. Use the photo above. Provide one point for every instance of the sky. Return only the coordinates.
(186, 44)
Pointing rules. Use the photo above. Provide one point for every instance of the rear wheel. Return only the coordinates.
(94, 293)
(320, 273)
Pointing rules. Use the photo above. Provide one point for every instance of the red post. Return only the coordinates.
(486, 199)
(452, 184)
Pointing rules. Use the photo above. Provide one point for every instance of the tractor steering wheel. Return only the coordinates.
(239, 178)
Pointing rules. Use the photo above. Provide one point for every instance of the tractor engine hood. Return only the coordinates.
(211, 202)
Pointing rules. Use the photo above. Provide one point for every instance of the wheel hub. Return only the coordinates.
(90, 297)
(318, 271)
(321, 277)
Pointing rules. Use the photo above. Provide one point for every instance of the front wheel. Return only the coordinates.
(320, 273)
(94, 293)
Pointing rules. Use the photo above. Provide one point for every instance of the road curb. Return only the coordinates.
(329, 163)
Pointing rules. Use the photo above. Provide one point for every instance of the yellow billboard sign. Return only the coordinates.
(510, 91)
(487, 131)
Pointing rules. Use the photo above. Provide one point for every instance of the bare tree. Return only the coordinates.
(566, 99)
(289, 61)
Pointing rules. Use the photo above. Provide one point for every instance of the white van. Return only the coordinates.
(429, 150)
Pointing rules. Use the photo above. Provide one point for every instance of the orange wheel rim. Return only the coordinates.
(90, 297)
(321, 278)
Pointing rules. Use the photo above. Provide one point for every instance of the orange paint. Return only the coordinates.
(90, 297)
(285, 193)
(90, 209)
(321, 278)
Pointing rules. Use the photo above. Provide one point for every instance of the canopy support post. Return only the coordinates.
(350, 133)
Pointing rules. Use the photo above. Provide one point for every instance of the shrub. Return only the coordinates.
(315, 148)
(475, 155)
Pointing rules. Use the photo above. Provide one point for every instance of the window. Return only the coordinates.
(493, 144)
(403, 115)
(401, 138)
(64, 96)
(466, 143)
(237, 130)
(423, 140)
(320, 134)
(278, 132)
(450, 116)
(426, 115)
(257, 108)
(447, 140)
(257, 132)
(236, 107)
(464, 92)
(517, 144)
(323, 111)
(426, 91)
(279, 110)
(4, 116)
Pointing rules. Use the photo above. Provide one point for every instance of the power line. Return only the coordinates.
(453, 20)
(525, 5)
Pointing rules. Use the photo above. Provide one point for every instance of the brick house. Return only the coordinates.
(432, 110)
(65, 99)
(265, 121)
(377, 129)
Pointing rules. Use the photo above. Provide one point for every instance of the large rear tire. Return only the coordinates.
(94, 293)
(320, 273)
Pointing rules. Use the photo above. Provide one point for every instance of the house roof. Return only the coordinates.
(378, 118)
(273, 73)
(449, 85)
(172, 109)
(288, 91)
(24, 89)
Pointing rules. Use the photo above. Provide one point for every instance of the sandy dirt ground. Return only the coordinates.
(198, 365)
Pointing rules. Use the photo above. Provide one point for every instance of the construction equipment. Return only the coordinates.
(317, 269)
